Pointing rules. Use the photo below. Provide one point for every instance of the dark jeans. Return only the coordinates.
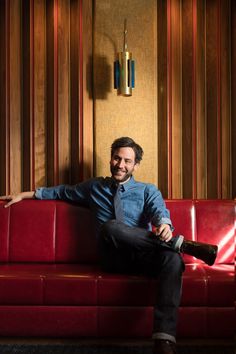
(126, 249)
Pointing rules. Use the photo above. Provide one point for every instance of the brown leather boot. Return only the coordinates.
(204, 251)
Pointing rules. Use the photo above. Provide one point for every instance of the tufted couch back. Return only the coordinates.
(46, 231)
(210, 221)
(59, 232)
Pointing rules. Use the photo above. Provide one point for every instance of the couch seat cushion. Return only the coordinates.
(126, 290)
(47, 284)
(87, 285)
(194, 292)
(220, 285)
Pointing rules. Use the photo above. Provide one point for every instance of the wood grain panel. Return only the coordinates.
(3, 96)
(8, 142)
(87, 87)
(52, 89)
(225, 98)
(58, 54)
(211, 93)
(201, 140)
(15, 97)
(27, 94)
(233, 96)
(176, 49)
(40, 91)
(162, 148)
(75, 89)
(194, 100)
(188, 113)
(169, 97)
(63, 91)
(219, 106)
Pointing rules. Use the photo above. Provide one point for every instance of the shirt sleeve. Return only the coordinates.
(78, 193)
(155, 207)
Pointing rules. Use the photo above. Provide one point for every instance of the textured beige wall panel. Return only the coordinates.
(134, 116)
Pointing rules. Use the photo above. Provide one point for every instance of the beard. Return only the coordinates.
(120, 175)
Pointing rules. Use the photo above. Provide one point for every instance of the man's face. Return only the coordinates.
(123, 164)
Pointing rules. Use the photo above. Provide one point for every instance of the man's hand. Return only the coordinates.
(164, 232)
(15, 198)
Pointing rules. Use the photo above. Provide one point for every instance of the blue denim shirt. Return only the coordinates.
(142, 202)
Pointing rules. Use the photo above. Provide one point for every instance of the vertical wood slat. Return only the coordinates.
(55, 94)
(187, 104)
(233, 96)
(219, 118)
(201, 143)
(7, 157)
(3, 97)
(162, 148)
(194, 100)
(49, 91)
(15, 97)
(211, 94)
(86, 65)
(74, 87)
(176, 84)
(52, 90)
(32, 108)
(169, 97)
(224, 13)
(28, 94)
(81, 103)
(63, 92)
(40, 92)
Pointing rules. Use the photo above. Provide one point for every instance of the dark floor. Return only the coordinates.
(75, 350)
(21, 346)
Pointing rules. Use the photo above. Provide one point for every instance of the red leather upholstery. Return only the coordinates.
(49, 231)
(52, 321)
(215, 222)
(51, 283)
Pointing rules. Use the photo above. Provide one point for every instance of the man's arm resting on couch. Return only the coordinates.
(15, 198)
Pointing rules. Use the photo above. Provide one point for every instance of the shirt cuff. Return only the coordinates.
(163, 220)
(38, 193)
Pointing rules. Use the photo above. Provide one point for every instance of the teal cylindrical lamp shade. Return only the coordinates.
(124, 71)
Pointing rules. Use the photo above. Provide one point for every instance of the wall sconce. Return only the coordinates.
(124, 70)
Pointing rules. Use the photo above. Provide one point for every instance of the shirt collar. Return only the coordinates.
(129, 184)
(126, 186)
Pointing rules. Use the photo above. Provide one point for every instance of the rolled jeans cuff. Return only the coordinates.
(165, 336)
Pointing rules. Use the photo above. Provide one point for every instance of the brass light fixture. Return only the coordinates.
(124, 70)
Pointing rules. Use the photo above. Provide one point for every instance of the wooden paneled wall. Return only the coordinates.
(196, 103)
(194, 73)
(59, 112)
(45, 76)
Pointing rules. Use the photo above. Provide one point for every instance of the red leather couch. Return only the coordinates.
(51, 283)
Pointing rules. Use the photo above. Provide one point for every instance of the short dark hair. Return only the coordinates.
(127, 142)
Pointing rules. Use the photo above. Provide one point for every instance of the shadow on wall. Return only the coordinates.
(99, 164)
(76, 173)
(99, 80)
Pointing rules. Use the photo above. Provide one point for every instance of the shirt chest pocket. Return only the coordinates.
(133, 208)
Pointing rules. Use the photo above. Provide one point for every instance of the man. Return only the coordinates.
(134, 232)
